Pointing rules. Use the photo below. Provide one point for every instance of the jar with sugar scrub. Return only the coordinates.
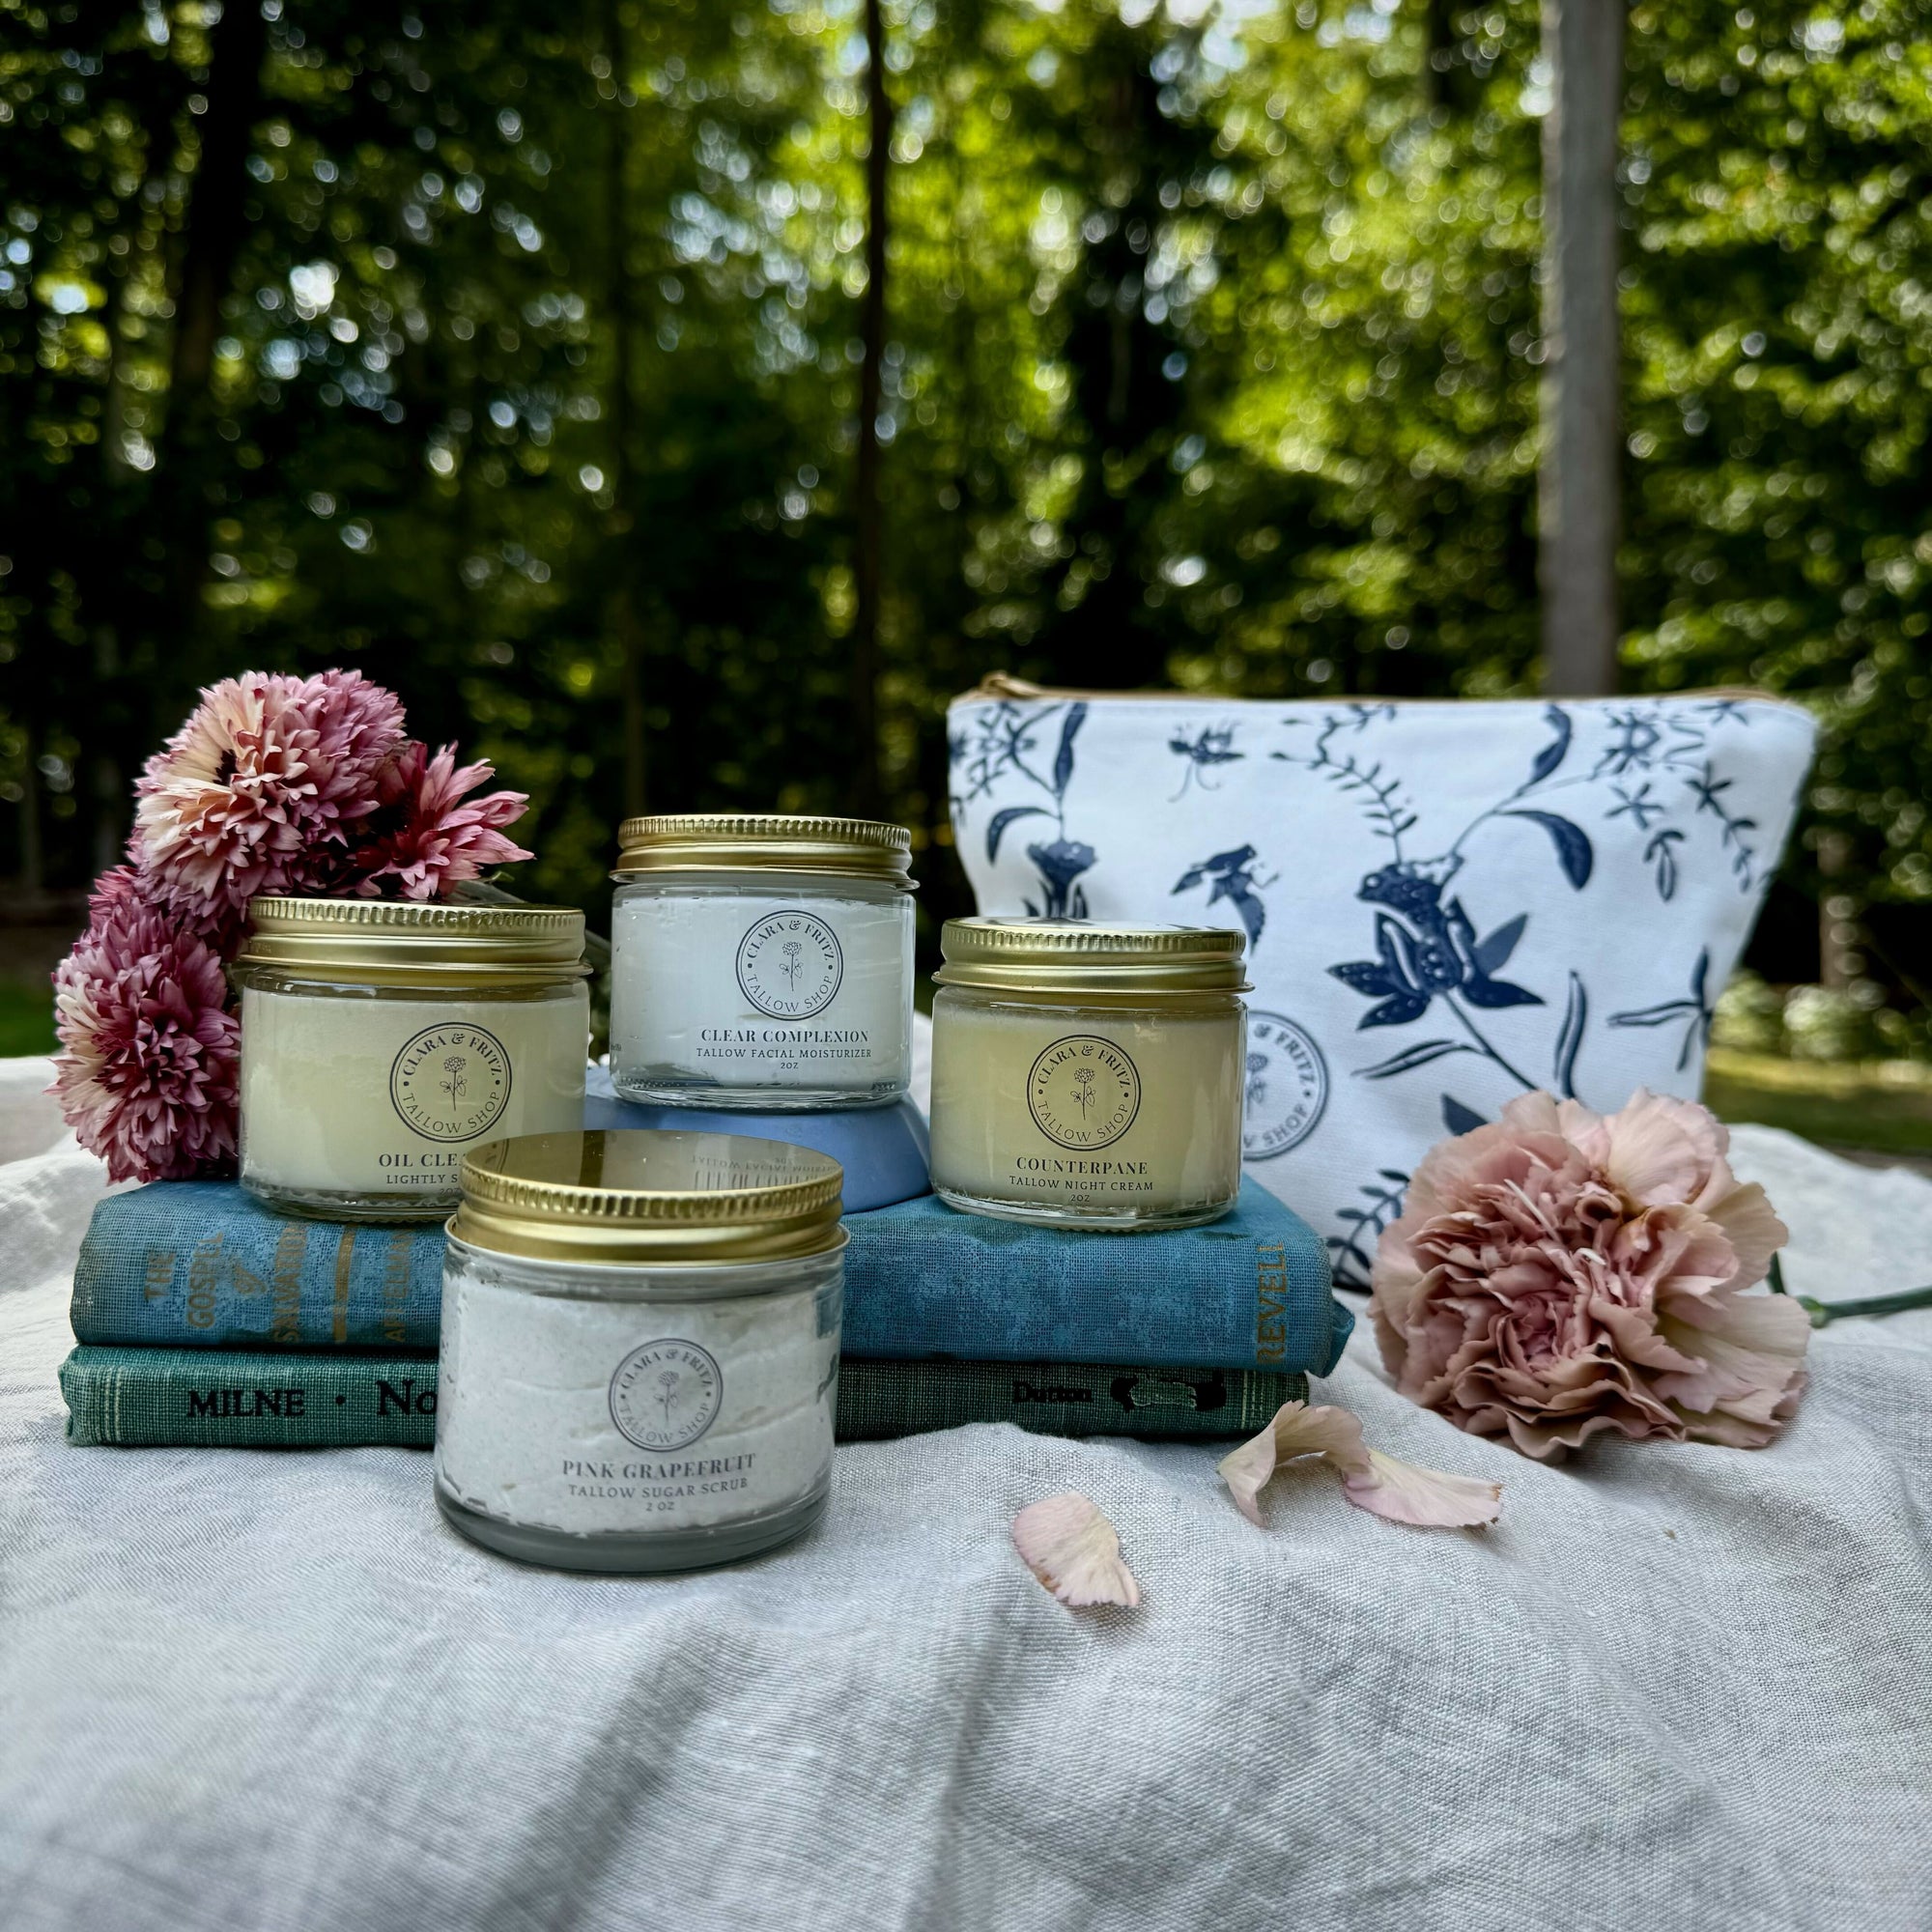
(382, 1040)
(639, 1348)
(1088, 1076)
(761, 962)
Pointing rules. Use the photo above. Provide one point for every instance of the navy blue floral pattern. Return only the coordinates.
(1212, 746)
(1234, 876)
(1485, 936)
(1005, 739)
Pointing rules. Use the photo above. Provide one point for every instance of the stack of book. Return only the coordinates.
(205, 1318)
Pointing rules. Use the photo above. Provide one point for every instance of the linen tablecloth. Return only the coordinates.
(1675, 1688)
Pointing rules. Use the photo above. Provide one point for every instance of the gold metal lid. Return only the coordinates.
(1071, 957)
(411, 942)
(627, 1195)
(714, 841)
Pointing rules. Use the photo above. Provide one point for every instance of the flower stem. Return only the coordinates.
(1822, 1311)
(1482, 1046)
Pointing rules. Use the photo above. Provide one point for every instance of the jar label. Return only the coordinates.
(451, 1082)
(1083, 1092)
(789, 965)
(559, 1413)
(667, 1394)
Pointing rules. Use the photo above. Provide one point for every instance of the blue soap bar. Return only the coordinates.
(884, 1151)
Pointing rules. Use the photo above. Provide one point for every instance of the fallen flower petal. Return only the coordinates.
(1074, 1552)
(1426, 1498)
(1374, 1482)
(1246, 1471)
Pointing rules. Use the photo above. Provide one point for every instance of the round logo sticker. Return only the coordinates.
(451, 1083)
(1083, 1092)
(789, 965)
(1287, 1086)
(665, 1395)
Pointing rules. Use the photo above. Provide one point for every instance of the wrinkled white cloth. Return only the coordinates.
(1676, 1686)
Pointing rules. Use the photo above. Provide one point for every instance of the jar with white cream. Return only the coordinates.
(761, 962)
(639, 1361)
(381, 1039)
(1088, 1076)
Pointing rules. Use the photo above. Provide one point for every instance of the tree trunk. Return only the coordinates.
(1582, 41)
(620, 302)
(1840, 963)
(868, 534)
(216, 226)
(33, 856)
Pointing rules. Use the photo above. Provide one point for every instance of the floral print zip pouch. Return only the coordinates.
(1447, 904)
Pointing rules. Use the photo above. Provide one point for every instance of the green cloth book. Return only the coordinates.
(260, 1399)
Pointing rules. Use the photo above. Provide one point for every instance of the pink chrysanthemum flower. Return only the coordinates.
(1562, 1272)
(429, 836)
(260, 790)
(146, 1074)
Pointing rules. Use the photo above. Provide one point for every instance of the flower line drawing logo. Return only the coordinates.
(451, 1082)
(667, 1394)
(790, 964)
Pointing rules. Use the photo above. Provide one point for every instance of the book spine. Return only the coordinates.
(185, 1397)
(201, 1264)
(926, 1289)
(886, 1398)
(204, 1268)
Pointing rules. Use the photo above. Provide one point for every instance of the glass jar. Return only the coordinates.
(379, 1040)
(639, 1348)
(1088, 1076)
(761, 962)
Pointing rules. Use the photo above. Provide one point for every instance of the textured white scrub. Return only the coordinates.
(524, 1427)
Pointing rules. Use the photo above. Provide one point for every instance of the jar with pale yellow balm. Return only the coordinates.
(382, 1040)
(1088, 1076)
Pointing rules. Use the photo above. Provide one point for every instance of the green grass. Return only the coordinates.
(1883, 1105)
(26, 1018)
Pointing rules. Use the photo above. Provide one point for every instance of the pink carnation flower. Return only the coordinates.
(260, 790)
(148, 1056)
(1560, 1273)
(429, 836)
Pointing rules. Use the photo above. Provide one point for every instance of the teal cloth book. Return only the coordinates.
(1250, 1290)
(198, 1398)
(193, 1263)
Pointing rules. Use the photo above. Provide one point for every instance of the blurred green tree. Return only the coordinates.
(517, 354)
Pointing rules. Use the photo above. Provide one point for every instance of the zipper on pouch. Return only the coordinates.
(998, 684)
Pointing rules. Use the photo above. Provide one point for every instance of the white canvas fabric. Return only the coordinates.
(1447, 904)
(1675, 1686)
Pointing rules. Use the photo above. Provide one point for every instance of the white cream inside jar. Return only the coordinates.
(762, 962)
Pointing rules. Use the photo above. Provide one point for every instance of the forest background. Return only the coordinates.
(517, 352)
